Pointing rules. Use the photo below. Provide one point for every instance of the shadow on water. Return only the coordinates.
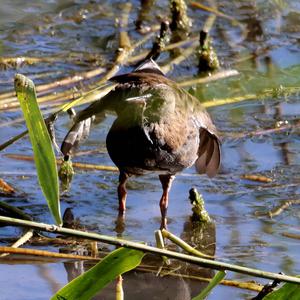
(81, 35)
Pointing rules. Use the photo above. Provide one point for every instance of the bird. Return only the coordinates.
(159, 128)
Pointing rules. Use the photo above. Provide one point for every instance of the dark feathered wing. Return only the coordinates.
(209, 150)
(81, 128)
(79, 132)
(209, 153)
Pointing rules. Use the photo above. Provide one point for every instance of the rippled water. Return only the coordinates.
(80, 35)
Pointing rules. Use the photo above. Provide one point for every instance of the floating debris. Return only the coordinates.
(278, 209)
(257, 177)
(5, 188)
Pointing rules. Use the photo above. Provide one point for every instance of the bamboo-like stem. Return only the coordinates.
(224, 101)
(185, 246)
(92, 95)
(22, 240)
(70, 80)
(279, 209)
(265, 93)
(291, 235)
(119, 288)
(9, 97)
(214, 11)
(218, 265)
(95, 167)
(160, 244)
(85, 97)
(15, 211)
(13, 140)
(216, 76)
(257, 178)
(12, 103)
(44, 253)
(75, 164)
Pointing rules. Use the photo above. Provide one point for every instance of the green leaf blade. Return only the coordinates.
(41, 144)
(91, 282)
(290, 291)
(213, 283)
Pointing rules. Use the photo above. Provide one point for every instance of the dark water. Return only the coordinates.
(81, 34)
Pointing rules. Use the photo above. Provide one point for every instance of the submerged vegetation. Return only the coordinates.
(172, 40)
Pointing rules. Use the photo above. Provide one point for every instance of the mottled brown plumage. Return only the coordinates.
(159, 127)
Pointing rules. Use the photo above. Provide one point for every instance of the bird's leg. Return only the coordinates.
(122, 192)
(166, 182)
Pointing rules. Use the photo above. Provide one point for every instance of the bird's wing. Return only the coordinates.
(121, 92)
(78, 133)
(82, 123)
(209, 151)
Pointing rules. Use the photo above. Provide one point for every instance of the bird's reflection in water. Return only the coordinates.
(74, 269)
(120, 225)
(148, 283)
